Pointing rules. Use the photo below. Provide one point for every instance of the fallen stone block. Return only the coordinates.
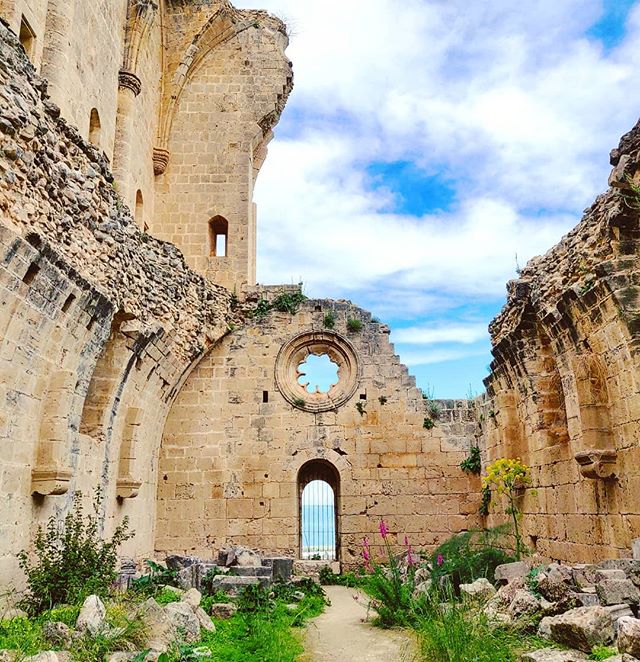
(509, 571)
(92, 616)
(223, 610)
(618, 591)
(184, 620)
(481, 590)
(583, 628)
(524, 603)
(629, 636)
(161, 630)
(553, 655)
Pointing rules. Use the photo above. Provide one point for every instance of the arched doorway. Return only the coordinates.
(318, 499)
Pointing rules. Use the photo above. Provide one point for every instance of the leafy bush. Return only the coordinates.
(217, 598)
(472, 464)
(468, 556)
(428, 424)
(71, 559)
(329, 321)
(288, 303)
(153, 582)
(253, 599)
(67, 614)
(354, 325)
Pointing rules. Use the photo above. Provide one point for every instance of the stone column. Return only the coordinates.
(57, 49)
(129, 87)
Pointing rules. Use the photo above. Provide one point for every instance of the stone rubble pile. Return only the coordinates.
(180, 622)
(234, 568)
(578, 607)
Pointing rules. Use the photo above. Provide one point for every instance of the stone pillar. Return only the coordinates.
(57, 49)
(129, 87)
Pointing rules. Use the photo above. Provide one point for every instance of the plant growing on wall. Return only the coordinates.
(329, 321)
(428, 424)
(472, 464)
(485, 501)
(288, 302)
(71, 560)
(507, 476)
(354, 325)
(360, 406)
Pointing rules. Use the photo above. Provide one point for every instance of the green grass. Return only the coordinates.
(456, 633)
(262, 636)
(22, 634)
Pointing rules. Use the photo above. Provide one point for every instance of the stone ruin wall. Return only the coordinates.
(100, 325)
(229, 462)
(564, 388)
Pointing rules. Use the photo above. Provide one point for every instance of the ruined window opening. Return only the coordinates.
(363, 396)
(318, 309)
(318, 373)
(31, 274)
(68, 302)
(318, 490)
(265, 396)
(27, 37)
(218, 236)
(139, 213)
(94, 128)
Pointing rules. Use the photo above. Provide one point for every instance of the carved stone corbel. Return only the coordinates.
(597, 463)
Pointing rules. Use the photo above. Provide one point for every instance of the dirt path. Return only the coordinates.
(340, 635)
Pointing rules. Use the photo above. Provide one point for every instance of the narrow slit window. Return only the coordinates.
(139, 213)
(218, 236)
(68, 302)
(94, 128)
(27, 38)
(31, 274)
(265, 396)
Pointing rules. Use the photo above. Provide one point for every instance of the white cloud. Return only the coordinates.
(512, 103)
(465, 334)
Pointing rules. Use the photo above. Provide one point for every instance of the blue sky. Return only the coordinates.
(429, 142)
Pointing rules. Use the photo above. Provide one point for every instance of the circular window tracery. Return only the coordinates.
(291, 380)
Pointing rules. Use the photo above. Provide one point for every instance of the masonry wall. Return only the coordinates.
(565, 395)
(232, 84)
(99, 326)
(229, 461)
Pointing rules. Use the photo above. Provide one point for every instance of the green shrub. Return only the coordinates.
(71, 559)
(428, 424)
(255, 599)
(468, 556)
(151, 583)
(288, 303)
(217, 598)
(472, 464)
(329, 321)
(354, 325)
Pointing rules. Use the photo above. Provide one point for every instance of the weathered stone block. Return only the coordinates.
(583, 628)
